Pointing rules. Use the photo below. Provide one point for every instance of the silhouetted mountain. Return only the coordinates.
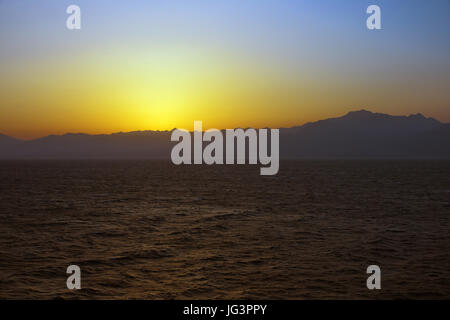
(140, 144)
(6, 142)
(358, 134)
(366, 134)
(369, 123)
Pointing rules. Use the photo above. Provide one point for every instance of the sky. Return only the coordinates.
(158, 64)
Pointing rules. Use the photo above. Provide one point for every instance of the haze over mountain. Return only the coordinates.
(358, 134)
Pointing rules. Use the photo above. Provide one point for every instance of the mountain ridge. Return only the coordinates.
(359, 133)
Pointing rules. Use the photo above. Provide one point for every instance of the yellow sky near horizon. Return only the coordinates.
(131, 90)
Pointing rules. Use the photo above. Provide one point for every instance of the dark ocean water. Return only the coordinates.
(152, 230)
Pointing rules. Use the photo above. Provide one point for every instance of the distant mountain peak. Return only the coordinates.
(364, 114)
(5, 137)
(359, 114)
(362, 111)
(418, 115)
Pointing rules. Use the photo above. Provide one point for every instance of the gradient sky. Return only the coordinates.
(158, 64)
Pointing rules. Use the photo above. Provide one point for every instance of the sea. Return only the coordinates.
(144, 229)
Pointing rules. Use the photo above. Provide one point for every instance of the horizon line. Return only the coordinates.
(265, 127)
